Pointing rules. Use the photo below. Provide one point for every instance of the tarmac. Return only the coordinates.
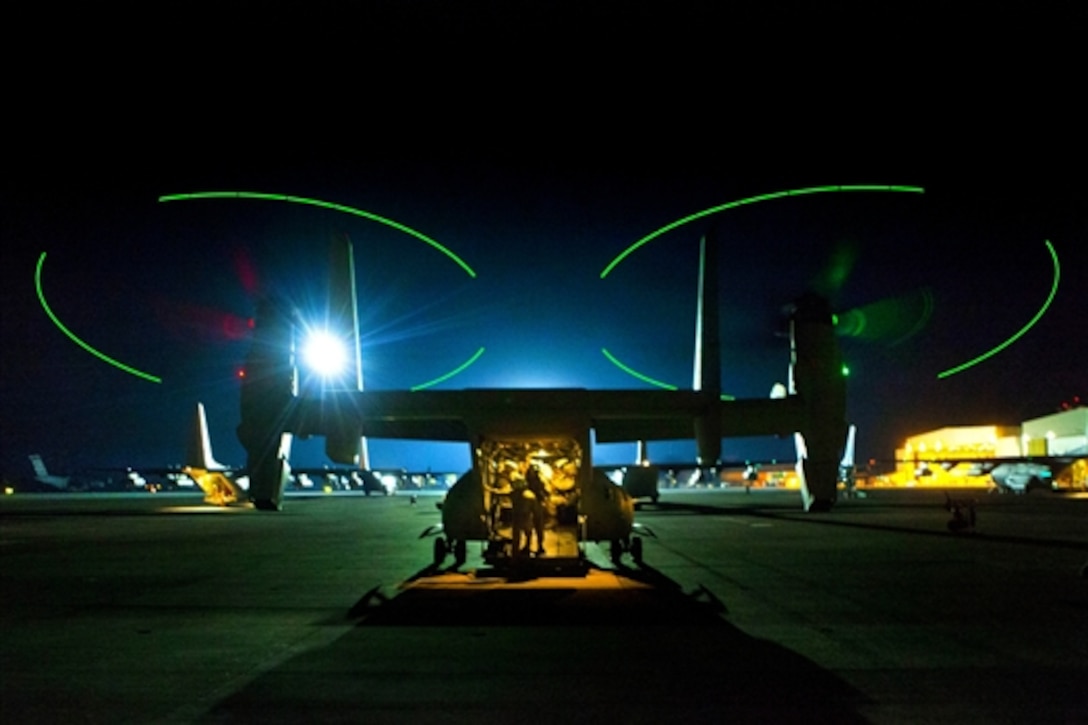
(158, 609)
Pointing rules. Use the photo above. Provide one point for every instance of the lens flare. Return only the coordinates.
(249, 278)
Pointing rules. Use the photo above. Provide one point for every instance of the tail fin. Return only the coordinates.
(802, 453)
(344, 315)
(847, 467)
(198, 453)
(42, 475)
(202, 467)
(848, 451)
(707, 374)
(39, 466)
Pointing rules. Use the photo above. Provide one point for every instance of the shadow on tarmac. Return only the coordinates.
(622, 645)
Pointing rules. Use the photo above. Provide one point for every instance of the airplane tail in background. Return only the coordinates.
(200, 465)
(802, 453)
(198, 451)
(847, 466)
(39, 466)
(847, 461)
(42, 475)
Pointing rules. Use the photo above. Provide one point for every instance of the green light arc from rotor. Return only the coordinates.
(646, 378)
(923, 318)
(1031, 323)
(855, 322)
(751, 200)
(325, 205)
(100, 355)
(450, 374)
(356, 212)
(725, 207)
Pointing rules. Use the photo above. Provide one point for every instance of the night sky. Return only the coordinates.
(537, 165)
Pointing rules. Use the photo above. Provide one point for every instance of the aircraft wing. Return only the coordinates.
(615, 415)
(676, 420)
(272, 405)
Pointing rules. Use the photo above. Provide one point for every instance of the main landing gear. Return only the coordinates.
(442, 548)
(632, 545)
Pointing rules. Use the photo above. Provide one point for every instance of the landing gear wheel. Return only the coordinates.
(616, 551)
(460, 552)
(440, 550)
(636, 549)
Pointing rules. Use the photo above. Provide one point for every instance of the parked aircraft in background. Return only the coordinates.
(118, 479)
(42, 475)
(225, 486)
(1062, 473)
(1021, 476)
(1010, 475)
(222, 486)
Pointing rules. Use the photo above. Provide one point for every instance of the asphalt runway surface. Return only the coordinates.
(157, 609)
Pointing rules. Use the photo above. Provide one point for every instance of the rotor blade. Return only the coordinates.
(831, 278)
(891, 320)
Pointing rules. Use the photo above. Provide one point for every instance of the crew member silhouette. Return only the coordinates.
(535, 485)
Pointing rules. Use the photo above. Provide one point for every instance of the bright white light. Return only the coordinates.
(325, 354)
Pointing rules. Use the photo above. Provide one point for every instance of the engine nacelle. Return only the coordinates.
(269, 391)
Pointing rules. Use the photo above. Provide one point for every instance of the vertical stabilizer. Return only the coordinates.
(708, 363)
(198, 450)
(200, 465)
(344, 315)
(802, 454)
(707, 374)
(42, 474)
(848, 451)
(847, 466)
(39, 466)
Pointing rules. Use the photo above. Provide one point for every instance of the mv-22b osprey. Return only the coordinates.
(526, 439)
